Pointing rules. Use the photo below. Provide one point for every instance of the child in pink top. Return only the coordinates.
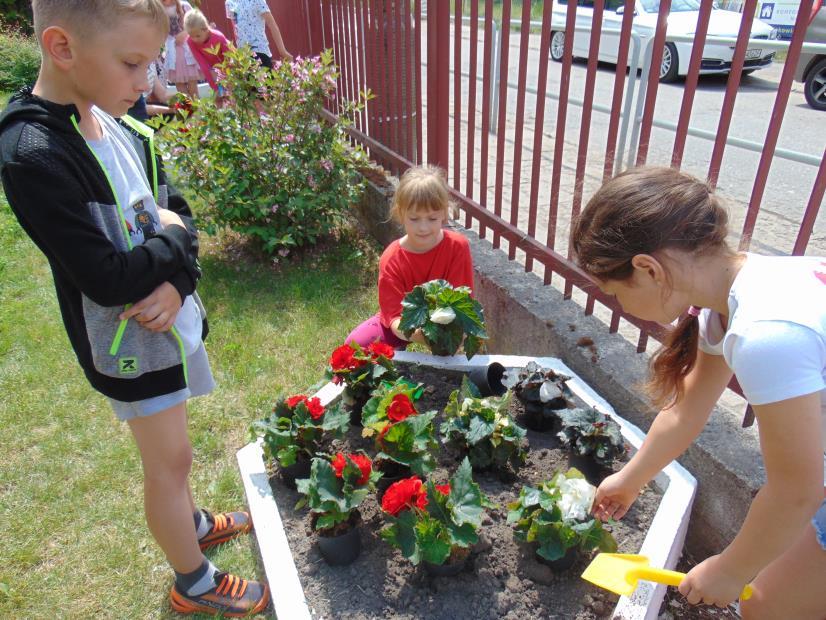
(208, 47)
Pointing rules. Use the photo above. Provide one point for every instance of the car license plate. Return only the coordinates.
(753, 54)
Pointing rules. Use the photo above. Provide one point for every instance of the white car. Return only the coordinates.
(681, 21)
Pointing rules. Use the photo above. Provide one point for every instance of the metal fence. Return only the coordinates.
(469, 116)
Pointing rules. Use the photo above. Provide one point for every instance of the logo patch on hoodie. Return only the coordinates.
(144, 220)
(128, 365)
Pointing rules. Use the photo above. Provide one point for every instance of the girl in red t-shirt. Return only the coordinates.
(426, 252)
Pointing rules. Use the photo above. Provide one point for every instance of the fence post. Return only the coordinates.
(315, 32)
(438, 82)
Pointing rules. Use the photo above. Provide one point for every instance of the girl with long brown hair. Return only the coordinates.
(656, 239)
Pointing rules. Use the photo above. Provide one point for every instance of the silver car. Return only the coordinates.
(811, 68)
(682, 20)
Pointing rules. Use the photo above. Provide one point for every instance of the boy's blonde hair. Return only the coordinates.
(422, 187)
(86, 17)
(195, 19)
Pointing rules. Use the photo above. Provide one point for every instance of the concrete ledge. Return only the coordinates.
(525, 317)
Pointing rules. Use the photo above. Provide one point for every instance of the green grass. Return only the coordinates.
(74, 543)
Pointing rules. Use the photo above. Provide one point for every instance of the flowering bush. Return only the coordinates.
(429, 522)
(19, 55)
(588, 431)
(296, 426)
(336, 487)
(361, 370)
(266, 164)
(483, 427)
(403, 435)
(556, 516)
(446, 315)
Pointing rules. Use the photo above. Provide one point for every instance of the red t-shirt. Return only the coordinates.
(400, 270)
(202, 52)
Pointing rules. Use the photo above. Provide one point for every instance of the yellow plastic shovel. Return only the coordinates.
(620, 572)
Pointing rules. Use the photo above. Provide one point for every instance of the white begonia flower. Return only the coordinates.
(577, 497)
(443, 316)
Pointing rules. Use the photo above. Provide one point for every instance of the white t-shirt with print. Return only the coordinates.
(775, 340)
(247, 15)
(125, 170)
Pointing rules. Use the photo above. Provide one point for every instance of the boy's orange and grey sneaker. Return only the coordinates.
(225, 526)
(233, 597)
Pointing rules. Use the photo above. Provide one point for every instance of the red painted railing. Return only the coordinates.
(378, 46)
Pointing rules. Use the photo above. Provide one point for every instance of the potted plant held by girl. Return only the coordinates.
(405, 439)
(293, 433)
(435, 524)
(361, 371)
(483, 428)
(333, 492)
(556, 519)
(447, 316)
(595, 441)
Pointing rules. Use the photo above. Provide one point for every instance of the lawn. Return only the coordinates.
(75, 543)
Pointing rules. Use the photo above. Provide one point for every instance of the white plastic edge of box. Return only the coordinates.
(662, 545)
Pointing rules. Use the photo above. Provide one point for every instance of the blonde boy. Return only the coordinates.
(89, 191)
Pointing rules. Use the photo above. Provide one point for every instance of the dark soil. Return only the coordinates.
(502, 578)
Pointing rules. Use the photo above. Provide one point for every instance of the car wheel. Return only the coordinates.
(557, 45)
(669, 64)
(815, 86)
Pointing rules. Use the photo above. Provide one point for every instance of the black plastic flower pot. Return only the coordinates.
(562, 564)
(538, 418)
(489, 379)
(299, 469)
(340, 548)
(454, 565)
(355, 411)
(391, 472)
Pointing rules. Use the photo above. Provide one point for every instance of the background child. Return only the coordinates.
(426, 252)
(155, 99)
(208, 47)
(88, 192)
(249, 18)
(182, 70)
(656, 239)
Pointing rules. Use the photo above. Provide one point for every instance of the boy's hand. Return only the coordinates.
(170, 218)
(158, 310)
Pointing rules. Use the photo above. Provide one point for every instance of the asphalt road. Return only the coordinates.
(789, 183)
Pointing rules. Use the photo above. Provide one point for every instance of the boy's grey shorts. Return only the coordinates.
(819, 523)
(200, 383)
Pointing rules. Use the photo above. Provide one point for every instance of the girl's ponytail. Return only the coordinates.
(673, 361)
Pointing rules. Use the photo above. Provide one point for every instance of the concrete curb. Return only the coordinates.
(525, 317)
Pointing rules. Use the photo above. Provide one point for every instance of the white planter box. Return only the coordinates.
(662, 545)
